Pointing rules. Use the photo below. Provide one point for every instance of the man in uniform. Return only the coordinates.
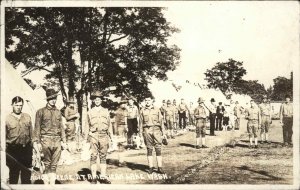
(212, 116)
(286, 119)
(219, 113)
(98, 134)
(48, 134)
(121, 126)
(200, 117)
(265, 111)
(176, 115)
(182, 111)
(254, 121)
(71, 116)
(153, 130)
(18, 128)
(132, 121)
(169, 118)
(237, 113)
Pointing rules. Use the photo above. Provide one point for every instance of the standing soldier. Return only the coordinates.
(182, 111)
(169, 118)
(176, 115)
(200, 117)
(71, 116)
(153, 130)
(191, 114)
(254, 121)
(286, 119)
(18, 143)
(121, 126)
(265, 110)
(237, 113)
(48, 134)
(98, 134)
(132, 121)
(212, 116)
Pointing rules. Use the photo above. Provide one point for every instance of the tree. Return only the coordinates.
(251, 88)
(225, 75)
(123, 47)
(282, 86)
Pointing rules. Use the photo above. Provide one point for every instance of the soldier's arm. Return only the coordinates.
(161, 123)
(141, 122)
(37, 129)
(138, 116)
(30, 128)
(110, 130)
(62, 130)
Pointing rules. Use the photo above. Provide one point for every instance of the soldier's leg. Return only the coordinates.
(130, 131)
(102, 155)
(284, 131)
(27, 163)
(46, 159)
(290, 130)
(94, 154)
(158, 144)
(249, 130)
(198, 135)
(149, 144)
(255, 129)
(55, 158)
(203, 133)
(13, 164)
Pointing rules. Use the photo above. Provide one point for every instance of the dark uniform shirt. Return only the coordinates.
(48, 122)
(18, 130)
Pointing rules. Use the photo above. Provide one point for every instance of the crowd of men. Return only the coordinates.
(151, 124)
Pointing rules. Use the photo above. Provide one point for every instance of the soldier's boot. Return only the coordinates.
(94, 173)
(46, 179)
(52, 178)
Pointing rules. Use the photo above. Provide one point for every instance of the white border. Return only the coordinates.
(75, 3)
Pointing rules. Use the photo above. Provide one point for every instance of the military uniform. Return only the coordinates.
(286, 116)
(49, 132)
(97, 134)
(237, 113)
(70, 115)
(182, 109)
(132, 122)
(169, 117)
(121, 121)
(253, 116)
(18, 147)
(265, 110)
(200, 116)
(151, 119)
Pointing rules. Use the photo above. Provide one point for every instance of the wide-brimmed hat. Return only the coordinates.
(212, 100)
(200, 100)
(96, 93)
(51, 94)
(169, 102)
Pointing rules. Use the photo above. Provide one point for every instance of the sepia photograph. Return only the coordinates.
(149, 94)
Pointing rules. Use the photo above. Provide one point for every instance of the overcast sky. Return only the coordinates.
(263, 35)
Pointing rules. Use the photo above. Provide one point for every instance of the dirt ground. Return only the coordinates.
(218, 164)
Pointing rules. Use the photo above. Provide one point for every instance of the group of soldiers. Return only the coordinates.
(154, 125)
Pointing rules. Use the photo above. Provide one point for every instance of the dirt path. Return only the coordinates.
(185, 164)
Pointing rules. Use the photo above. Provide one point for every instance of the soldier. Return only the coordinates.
(265, 110)
(254, 122)
(132, 121)
(182, 111)
(153, 130)
(191, 114)
(237, 113)
(286, 119)
(71, 116)
(18, 143)
(48, 134)
(176, 115)
(121, 126)
(98, 134)
(169, 118)
(200, 117)
(212, 116)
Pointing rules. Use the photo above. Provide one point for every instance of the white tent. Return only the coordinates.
(14, 85)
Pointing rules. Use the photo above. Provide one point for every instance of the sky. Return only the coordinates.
(263, 35)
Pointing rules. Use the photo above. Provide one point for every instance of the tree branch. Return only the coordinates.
(117, 39)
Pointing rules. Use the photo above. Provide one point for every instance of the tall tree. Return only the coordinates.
(114, 45)
(225, 75)
(282, 86)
